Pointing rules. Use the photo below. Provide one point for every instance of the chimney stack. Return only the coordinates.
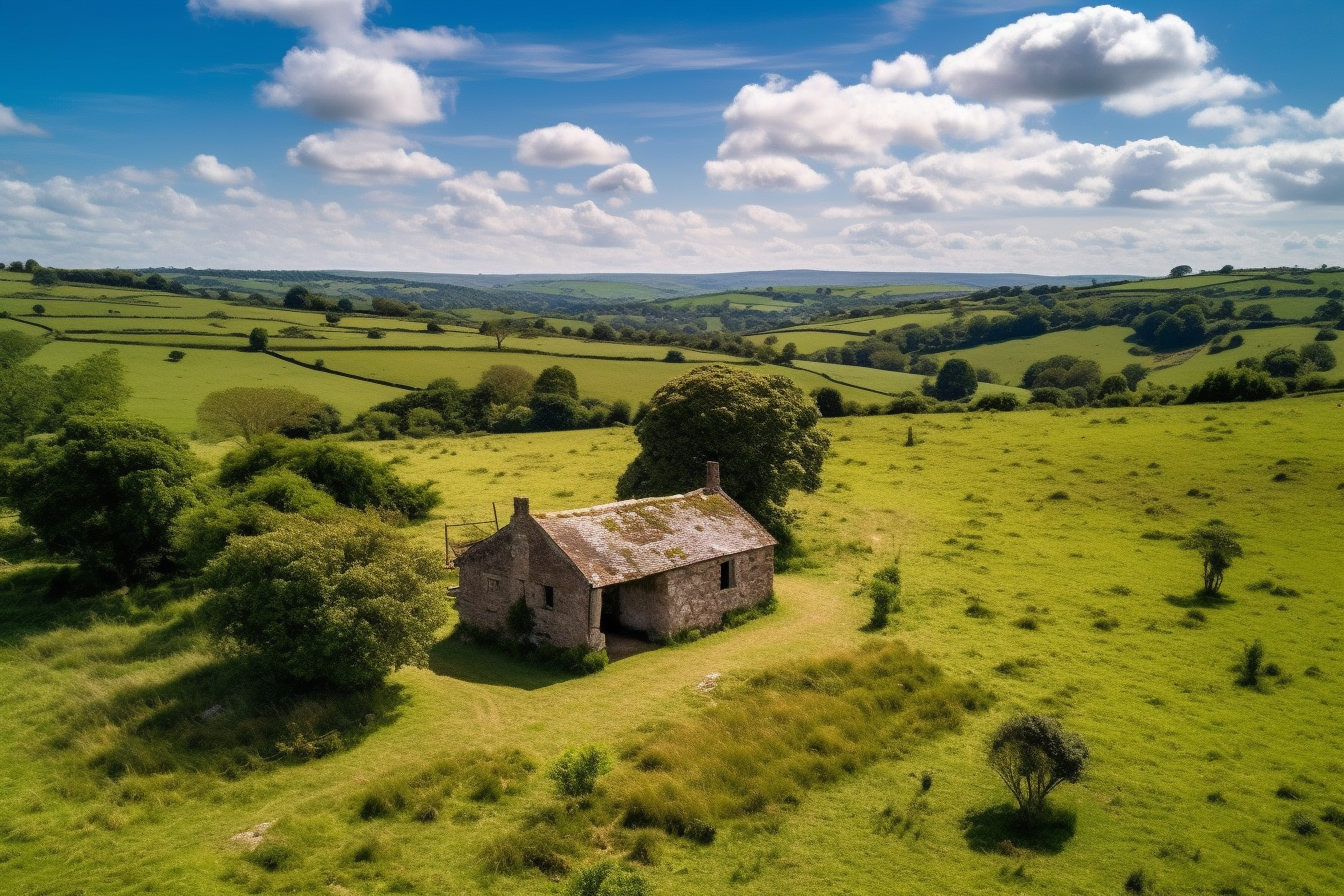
(712, 477)
(520, 507)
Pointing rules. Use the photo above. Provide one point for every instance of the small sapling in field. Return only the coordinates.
(1251, 665)
(576, 772)
(885, 590)
(1216, 542)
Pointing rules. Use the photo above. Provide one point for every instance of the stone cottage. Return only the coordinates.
(650, 567)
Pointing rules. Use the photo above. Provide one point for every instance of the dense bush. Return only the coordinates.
(576, 771)
(350, 476)
(1242, 384)
(885, 590)
(106, 492)
(997, 401)
(344, 601)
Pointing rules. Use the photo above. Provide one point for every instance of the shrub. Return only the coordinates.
(1249, 667)
(520, 619)
(576, 772)
(344, 602)
(829, 402)
(885, 591)
(606, 878)
(349, 475)
(1033, 755)
(1139, 881)
(674, 356)
(1001, 401)
(1304, 824)
(1328, 334)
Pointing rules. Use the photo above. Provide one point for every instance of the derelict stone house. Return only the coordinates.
(650, 566)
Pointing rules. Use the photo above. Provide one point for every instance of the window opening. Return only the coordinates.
(550, 597)
(726, 575)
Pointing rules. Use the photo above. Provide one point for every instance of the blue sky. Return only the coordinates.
(515, 137)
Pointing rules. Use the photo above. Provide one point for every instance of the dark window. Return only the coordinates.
(550, 596)
(726, 574)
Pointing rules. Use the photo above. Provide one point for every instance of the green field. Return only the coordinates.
(1258, 342)
(168, 392)
(606, 290)
(967, 509)
(739, 301)
(888, 381)
(1105, 345)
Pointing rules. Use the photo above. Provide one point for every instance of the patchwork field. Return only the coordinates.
(1257, 343)
(1105, 345)
(1051, 529)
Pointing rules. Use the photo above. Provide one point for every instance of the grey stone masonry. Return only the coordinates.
(653, 566)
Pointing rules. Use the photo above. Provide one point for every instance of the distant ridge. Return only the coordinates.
(691, 284)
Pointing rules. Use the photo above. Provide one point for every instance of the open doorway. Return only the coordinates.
(611, 610)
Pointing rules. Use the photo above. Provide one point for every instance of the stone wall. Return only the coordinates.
(693, 598)
(520, 561)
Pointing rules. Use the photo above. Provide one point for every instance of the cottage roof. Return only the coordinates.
(628, 540)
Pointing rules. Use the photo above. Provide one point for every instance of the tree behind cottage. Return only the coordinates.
(761, 429)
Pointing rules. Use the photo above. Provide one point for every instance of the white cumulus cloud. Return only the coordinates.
(1254, 127)
(364, 157)
(763, 173)
(354, 72)
(566, 145)
(213, 171)
(1040, 170)
(337, 85)
(905, 72)
(771, 219)
(1136, 65)
(626, 177)
(851, 125)
(12, 126)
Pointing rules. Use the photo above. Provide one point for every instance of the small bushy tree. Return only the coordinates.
(1217, 545)
(576, 772)
(1033, 755)
(885, 590)
(258, 340)
(344, 601)
(830, 402)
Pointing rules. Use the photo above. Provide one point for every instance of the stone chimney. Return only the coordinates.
(712, 477)
(521, 508)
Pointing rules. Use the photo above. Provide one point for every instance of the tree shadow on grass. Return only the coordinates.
(1001, 829)
(1199, 600)
(41, 597)
(228, 718)
(460, 657)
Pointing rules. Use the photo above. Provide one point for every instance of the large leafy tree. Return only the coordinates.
(956, 380)
(344, 601)
(761, 429)
(106, 492)
(249, 412)
(32, 400)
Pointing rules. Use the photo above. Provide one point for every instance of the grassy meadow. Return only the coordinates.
(1038, 565)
